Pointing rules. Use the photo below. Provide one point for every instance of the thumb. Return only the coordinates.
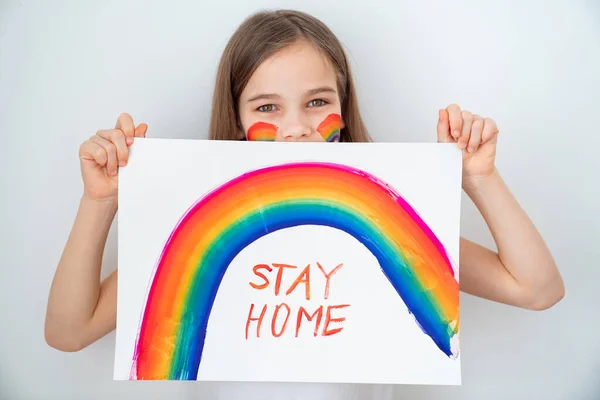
(443, 127)
(140, 131)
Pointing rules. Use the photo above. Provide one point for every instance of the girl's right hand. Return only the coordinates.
(101, 156)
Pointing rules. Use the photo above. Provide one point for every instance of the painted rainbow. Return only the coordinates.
(330, 128)
(262, 131)
(215, 229)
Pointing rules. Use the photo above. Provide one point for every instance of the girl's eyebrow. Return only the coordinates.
(264, 96)
(322, 89)
(274, 96)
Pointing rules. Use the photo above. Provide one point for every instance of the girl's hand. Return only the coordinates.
(475, 135)
(102, 154)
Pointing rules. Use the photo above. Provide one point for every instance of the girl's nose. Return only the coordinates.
(296, 132)
(295, 129)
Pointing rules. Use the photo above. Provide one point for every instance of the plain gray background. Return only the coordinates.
(69, 68)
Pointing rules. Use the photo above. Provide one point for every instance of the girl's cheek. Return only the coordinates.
(262, 131)
(329, 129)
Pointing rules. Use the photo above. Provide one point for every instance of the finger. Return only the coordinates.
(465, 134)
(125, 123)
(455, 120)
(93, 151)
(111, 153)
(140, 131)
(443, 127)
(490, 130)
(117, 137)
(475, 140)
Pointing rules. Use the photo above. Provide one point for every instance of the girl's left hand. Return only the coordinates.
(476, 136)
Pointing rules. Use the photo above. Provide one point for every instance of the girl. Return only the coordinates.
(286, 70)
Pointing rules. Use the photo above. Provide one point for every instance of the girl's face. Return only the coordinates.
(292, 96)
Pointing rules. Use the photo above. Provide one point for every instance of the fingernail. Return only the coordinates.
(462, 145)
(114, 173)
(470, 149)
(122, 163)
(129, 140)
(455, 134)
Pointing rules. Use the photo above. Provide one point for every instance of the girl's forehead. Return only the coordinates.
(295, 69)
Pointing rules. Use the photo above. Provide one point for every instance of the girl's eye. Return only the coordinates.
(266, 108)
(319, 103)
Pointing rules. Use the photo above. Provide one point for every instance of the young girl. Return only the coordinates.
(287, 71)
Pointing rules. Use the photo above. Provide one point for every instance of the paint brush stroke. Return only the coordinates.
(262, 131)
(213, 231)
(330, 128)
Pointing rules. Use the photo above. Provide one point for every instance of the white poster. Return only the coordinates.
(289, 262)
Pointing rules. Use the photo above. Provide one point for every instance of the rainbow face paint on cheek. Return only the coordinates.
(262, 131)
(330, 128)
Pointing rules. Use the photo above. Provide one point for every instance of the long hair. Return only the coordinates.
(257, 38)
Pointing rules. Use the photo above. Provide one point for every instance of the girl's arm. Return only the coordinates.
(522, 273)
(81, 309)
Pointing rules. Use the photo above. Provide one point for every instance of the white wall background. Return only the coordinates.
(69, 68)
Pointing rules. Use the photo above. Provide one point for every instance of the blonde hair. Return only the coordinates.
(257, 38)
